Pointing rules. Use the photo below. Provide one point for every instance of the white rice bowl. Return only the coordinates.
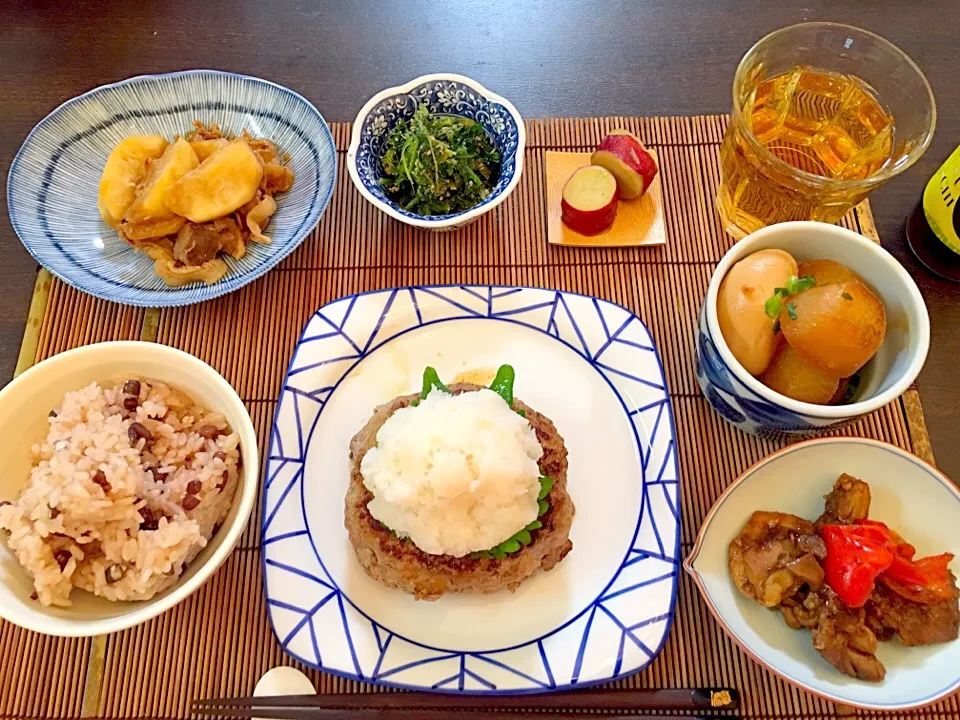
(119, 516)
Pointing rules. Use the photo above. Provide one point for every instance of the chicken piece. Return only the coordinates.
(807, 568)
(848, 502)
(196, 244)
(802, 610)
(764, 556)
(914, 623)
(844, 640)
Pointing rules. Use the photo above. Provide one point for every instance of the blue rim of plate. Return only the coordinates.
(631, 556)
(192, 293)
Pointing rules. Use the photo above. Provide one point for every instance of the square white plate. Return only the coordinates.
(587, 364)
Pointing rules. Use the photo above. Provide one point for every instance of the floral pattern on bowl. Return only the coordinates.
(444, 94)
(741, 406)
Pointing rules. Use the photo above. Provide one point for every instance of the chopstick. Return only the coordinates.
(400, 706)
(322, 713)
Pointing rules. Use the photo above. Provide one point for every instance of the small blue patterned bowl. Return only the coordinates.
(744, 401)
(53, 181)
(443, 93)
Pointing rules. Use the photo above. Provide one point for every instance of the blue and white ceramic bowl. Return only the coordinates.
(753, 407)
(53, 182)
(443, 93)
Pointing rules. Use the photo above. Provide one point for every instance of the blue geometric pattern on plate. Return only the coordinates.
(742, 406)
(441, 96)
(317, 622)
(53, 181)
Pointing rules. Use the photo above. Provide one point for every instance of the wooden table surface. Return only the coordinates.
(551, 58)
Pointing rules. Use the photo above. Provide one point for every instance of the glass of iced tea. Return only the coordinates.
(822, 114)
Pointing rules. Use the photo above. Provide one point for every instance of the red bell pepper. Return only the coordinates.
(856, 555)
(859, 554)
(899, 546)
(925, 581)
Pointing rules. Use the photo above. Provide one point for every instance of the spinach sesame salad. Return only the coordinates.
(438, 164)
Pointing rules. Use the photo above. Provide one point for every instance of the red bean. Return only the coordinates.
(189, 502)
(138, 431)
(220, 455)
(157, 475)
(149, 521)
(113, 574)
(100, 479)
(62, 556)
(208, 432)
(131, 387)
(193, 487)
(130, 404)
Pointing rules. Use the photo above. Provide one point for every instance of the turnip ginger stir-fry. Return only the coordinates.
(184, 202)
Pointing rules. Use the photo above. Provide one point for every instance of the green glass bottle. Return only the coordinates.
(933, 230)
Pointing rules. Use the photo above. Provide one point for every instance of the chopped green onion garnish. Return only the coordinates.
(774, 304)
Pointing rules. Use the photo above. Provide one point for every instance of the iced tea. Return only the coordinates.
(808, 141)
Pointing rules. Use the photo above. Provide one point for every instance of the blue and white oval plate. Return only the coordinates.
(589, 365)
(53, 181)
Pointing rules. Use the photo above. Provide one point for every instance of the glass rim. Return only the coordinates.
(819, 180)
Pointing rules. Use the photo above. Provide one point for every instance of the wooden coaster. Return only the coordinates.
(639, 222)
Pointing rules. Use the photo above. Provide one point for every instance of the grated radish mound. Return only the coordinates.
(456, 474)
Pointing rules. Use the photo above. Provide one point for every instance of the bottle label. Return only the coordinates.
(941, 202)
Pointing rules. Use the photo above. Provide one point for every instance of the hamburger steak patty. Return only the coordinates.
(398, 563)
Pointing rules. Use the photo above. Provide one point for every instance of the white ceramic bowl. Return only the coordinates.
(24, 405)
(909, 495)
(447, 94)
(749, 404)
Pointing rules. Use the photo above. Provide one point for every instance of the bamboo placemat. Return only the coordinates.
(218, 642)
